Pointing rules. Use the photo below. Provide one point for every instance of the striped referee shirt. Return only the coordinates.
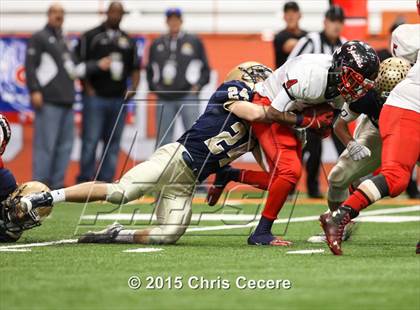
(315, 43)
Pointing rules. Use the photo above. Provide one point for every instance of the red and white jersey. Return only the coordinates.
(405, 43)
(300, 82)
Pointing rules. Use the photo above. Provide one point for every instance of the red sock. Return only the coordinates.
(277, 196)
(258, 179)
(357, 201)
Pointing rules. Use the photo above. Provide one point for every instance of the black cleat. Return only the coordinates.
(106, 235)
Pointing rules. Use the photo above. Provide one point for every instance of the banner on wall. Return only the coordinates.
(14, 96)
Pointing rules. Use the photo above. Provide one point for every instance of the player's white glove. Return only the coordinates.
(357, 151)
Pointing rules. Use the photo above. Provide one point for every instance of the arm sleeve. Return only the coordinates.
(304, 46)
(347, 114)
(32, 61)
(205, 69)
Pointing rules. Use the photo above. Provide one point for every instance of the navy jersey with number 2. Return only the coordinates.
(218, 136)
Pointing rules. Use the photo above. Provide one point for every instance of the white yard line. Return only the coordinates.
(224, 216)
(311, 251)
(15, 250)
(389, 219)
(366, 216)
(143, 250)
(38, 244)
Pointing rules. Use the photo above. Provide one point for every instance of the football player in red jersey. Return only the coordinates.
(399, 126)
(304, 81)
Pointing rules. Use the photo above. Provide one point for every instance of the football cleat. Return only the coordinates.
(106, 235)
(418, 248)
(223, 177)
(333, 225)
(349, 230)
(267, 239)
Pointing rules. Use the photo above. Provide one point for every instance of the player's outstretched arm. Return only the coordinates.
(356, 150)
(85, 192)
(342, 131)
(248, 111)
(258, 113)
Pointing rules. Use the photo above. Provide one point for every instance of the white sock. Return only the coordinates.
(58, 195)
(125, 236)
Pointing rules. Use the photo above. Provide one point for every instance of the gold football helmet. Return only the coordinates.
(250, 72)
(391, 71)
(18, 213)
(14, 218)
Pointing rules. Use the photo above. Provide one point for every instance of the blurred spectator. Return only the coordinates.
(111, 60)
(177, 70)
(52, 94)
(285, 40)
(324, 42)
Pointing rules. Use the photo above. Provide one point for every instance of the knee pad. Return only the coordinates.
(337, 178)
(375, 188)
(168, 234)
(117, 194)
(122, 192)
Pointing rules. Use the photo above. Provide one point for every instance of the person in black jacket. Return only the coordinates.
(49, 77)
(285, 40)
(177, 70)
(110, 59)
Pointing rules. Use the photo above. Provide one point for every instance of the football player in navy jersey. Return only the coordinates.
(13, 221)
(218, 137)
(7, 180)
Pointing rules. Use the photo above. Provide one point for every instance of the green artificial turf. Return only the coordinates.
(379, 270)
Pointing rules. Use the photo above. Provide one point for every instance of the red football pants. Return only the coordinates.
(400, 133)
(282, 151)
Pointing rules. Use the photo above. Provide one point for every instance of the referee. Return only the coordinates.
(324, 42)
